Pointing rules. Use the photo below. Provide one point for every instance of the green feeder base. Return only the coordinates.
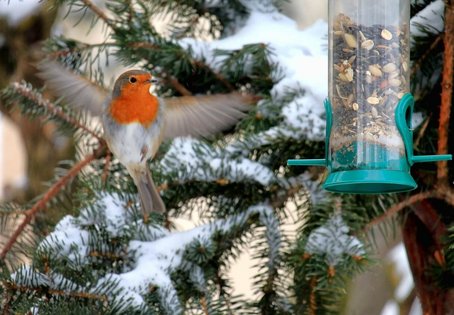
(369, 181)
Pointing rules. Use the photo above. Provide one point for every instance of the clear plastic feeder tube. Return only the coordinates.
(369, 58)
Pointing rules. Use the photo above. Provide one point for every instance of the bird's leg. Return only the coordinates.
(143, 152)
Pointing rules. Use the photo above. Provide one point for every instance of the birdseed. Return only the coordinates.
(369, 77)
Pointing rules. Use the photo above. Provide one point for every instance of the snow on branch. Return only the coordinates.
(332, 239)
(431, 18)
(300, 61)
(152, 259)
(185, 156)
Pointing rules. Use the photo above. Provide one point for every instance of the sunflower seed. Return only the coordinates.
(375, 70)
(373, 100)
(367, 44)
(395, 82)
(389, 67)
(350, 40)
(393, 75)
(404, 66)
(386, 34)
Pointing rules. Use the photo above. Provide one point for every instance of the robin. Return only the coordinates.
(135, 121)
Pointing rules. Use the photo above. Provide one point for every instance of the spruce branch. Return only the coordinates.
(27, 92)
(50, 194)
(180, 88)
(446, 92)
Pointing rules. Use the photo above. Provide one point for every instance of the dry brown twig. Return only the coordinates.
(85, 295)
(399, 207)
(446, 92)
(89, 4)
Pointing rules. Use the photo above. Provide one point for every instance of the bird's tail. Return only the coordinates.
(149, 195)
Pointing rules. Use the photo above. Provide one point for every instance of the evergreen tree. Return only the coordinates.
(104, 259)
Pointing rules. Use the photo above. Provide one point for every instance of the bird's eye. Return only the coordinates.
(132, 79)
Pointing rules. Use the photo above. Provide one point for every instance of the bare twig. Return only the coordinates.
(399, 207)
(217, 75)
(203, 303)
(51, 193)
(96, 10)
(105, 171)
(421, 132)
(196, 63)
(446, 92)
(85, 295)
(111, 256)
(313, 297)
(418, 63)
(178, 86)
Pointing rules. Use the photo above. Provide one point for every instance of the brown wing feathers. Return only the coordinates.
(203, 115)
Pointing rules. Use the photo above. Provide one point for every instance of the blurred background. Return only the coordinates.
(30, 150)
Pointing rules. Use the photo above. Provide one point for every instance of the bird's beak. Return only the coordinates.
(152, 80)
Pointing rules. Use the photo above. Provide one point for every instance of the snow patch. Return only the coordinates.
(431, 16)
(305, 116)
(156, 260)
(398, 257)
(390, 308)
(17, 10)
(212, 165)
(27, 276)
(300, 56)
(153, 261)
(67, 240)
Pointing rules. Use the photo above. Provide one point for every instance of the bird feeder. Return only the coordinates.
(369, 139)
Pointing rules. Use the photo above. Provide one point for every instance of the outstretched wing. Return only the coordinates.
(79, 92)
(204, 115)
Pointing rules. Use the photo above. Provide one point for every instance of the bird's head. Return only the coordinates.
(132, 100)
(133, 81)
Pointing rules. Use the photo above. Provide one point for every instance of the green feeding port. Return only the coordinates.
(369, 137)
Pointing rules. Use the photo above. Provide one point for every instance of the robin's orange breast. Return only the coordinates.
(135, 104)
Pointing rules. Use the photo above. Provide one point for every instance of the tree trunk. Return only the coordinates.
(423, 232)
